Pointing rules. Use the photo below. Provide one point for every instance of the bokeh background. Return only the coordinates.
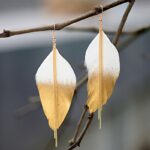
(125, 118)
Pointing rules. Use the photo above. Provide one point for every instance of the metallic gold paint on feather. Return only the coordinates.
(46, 92)
(94, 102)
(102, 62)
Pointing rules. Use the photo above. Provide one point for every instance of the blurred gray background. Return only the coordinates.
(125, 118)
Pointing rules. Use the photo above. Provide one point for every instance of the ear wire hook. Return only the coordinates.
(102, 10)
(101, 6)
(54, 37)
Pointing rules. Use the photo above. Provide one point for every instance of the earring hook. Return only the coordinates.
(101, 6)
(54, 36)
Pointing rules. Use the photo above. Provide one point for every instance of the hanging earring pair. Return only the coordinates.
(56, 82)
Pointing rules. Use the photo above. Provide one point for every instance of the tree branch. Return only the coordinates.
(59, 26)
(79, 140)
(71, 142)
(96, 30)
(123, 21)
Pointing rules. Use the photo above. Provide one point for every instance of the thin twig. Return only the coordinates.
(123, 21)
(82, 29)
(59, 26)
(71, 142)
(82, 80)
(131, 39)
(95, 30)
(78, 142)
(28, 108)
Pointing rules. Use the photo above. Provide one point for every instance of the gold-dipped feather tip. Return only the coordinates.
(46, 93)
(94, 102)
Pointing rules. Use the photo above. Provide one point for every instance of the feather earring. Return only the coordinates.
(103, 65)
(56, 82)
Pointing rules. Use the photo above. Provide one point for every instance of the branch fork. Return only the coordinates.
(76, 141)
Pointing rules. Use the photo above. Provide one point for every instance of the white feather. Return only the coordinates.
(65, 73)
(110, 57)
